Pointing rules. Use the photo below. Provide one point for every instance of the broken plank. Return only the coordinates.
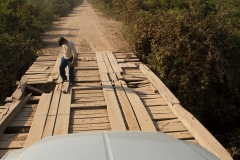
(141, 113)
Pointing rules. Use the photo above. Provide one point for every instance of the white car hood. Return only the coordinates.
(126, 145)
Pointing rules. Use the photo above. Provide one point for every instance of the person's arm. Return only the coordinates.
(74, 52)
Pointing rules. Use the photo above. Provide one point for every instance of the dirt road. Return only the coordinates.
(88, 29)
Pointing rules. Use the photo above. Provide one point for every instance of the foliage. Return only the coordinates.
(193, 46)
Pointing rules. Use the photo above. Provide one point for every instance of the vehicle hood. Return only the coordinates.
(126, 145)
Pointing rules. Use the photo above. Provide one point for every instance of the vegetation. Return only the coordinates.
(194, 47)
(22, 23)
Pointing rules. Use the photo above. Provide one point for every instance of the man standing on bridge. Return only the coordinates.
(68, 59)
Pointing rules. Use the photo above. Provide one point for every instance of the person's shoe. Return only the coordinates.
(71, 83)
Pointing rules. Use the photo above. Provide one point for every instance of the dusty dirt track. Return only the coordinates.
(88, 29)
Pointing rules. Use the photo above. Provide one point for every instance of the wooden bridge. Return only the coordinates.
(113, 91)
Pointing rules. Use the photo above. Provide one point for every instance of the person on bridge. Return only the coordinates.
(68, 59)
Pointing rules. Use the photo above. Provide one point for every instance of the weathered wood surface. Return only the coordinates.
(113, 91)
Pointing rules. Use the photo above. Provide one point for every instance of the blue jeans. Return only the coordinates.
(64, 63)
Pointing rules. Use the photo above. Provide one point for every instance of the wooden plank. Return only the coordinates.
(38, 123)
(99, 57)
(158, 108)
(11, 144)
(63, 115)
(61, 125)
(143, 117)
(145, 96)
(43, 105)
(33, 109)
(86, 99)
(13, 110)
(23, 119)
(55, 101)
(163, 116)
(107, 63)
(102, 130)
(151, 102)
(82, 116)
(181, 135)
(172, 128)
(87, 88)
(126, 107)
(89, 95)
(90, 126)
(89, 104)
(30, 106)
(13, 137)
(64, 104)
(113, 76)
(17, 94)
(86, 68)
(34, 98)
(113, 62)
(90, 121)
(89, 111)
(25, 114)
(132, 65)
(77, 91)
(18, 123)
(114, 112)
(48, 129)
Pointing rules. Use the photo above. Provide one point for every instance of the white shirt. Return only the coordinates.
(69, 50)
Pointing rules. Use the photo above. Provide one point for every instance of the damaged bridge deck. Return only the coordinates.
(113, 91)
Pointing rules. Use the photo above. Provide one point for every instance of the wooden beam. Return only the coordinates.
(34, 89)
(17, 94)
(13, 110)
